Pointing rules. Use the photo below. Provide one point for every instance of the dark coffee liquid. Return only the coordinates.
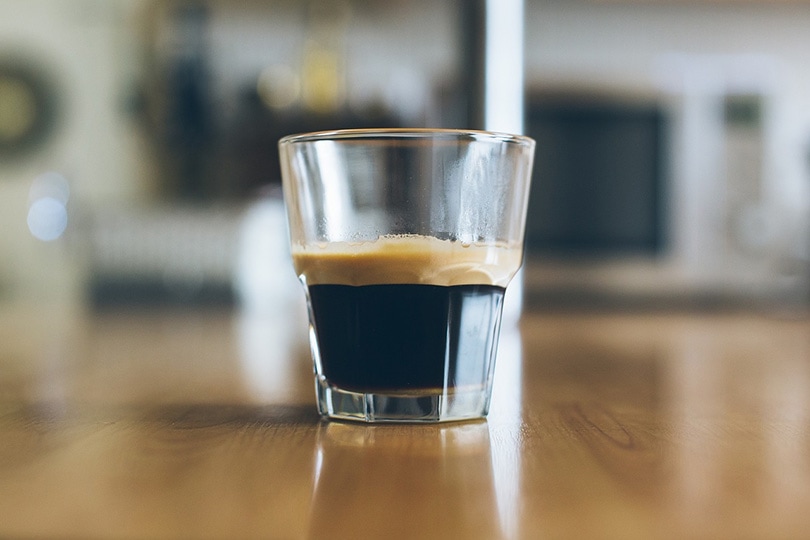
(377, 338)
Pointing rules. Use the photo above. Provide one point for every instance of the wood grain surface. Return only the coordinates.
(171, 424)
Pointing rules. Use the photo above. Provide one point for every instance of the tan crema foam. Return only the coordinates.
(407, 259)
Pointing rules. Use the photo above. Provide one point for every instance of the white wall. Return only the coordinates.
(614, 41)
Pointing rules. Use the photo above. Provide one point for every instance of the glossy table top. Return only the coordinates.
(201, 424)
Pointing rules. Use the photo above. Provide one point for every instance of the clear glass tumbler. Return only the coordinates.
(405, 241)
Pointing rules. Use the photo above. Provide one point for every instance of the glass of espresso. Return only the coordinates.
(405, 241)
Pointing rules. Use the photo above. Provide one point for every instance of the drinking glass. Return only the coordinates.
(405, 241)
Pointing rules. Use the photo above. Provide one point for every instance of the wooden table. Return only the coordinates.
(201, 424)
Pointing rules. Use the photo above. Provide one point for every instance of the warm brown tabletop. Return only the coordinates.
(202, 425)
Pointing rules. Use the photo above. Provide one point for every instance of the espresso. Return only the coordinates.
(383, 338)
(405, 313)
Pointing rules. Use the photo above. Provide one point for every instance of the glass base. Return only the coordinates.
(421, 407)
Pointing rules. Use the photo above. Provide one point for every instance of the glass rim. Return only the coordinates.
(380, 134)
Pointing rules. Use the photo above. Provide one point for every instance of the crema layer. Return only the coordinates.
(407, 259)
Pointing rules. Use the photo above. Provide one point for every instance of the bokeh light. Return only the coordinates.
(47, 206)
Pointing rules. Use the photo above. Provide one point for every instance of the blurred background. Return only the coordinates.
(138, 160)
